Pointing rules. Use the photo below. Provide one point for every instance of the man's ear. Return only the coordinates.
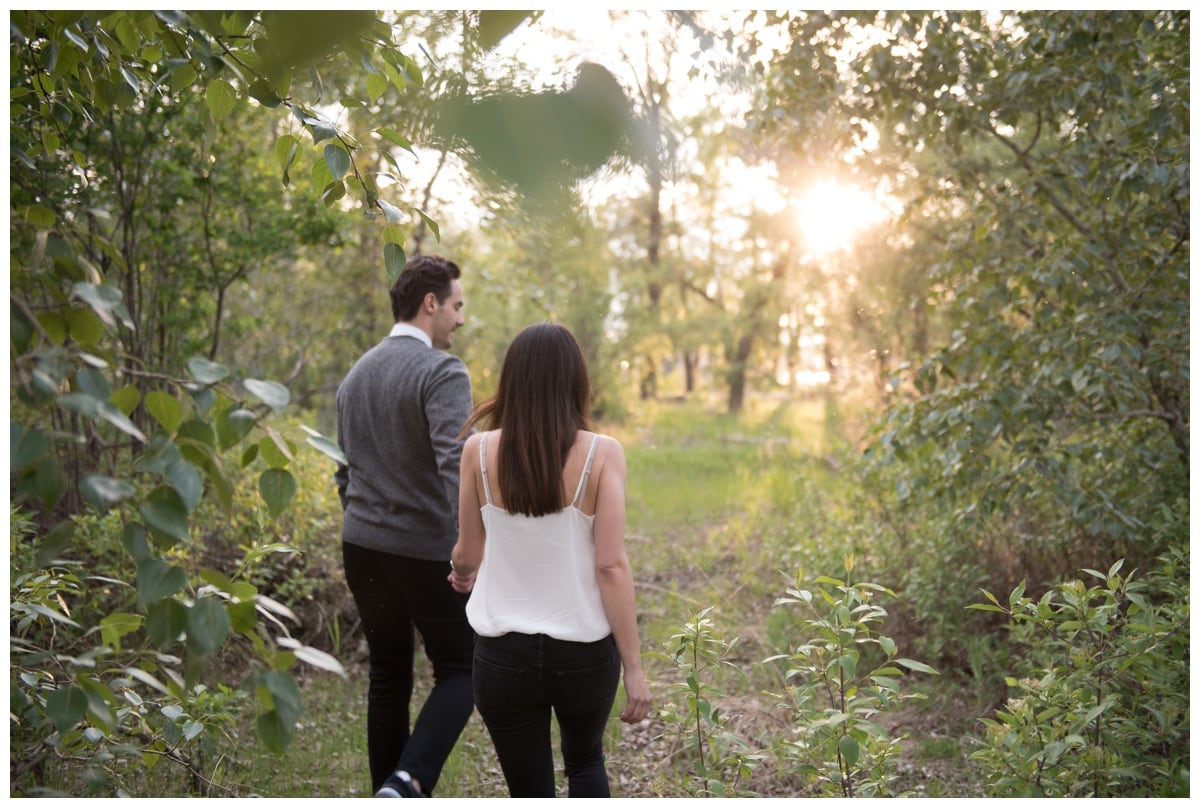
(429, 303)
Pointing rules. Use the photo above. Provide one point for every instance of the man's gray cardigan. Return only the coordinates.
(400, 409)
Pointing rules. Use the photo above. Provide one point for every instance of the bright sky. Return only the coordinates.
(827, 214)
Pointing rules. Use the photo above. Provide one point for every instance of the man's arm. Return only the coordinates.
(342, 478)
(447, 407)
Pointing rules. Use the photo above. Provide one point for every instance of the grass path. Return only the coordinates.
(702, 489)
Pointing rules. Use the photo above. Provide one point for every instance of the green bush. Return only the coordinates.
(842, 676)
(1101, 706)
(721, 762)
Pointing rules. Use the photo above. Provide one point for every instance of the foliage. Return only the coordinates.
(1042, 159)
(116, 669)
(1101, 705)
(119, 671)
(843, 676)
(721, 761)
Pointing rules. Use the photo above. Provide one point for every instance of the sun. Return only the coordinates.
(830, 215)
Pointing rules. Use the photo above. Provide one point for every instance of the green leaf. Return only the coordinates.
(394, 260)
(49, 481)
(165, 409)
(285, 151)
(146, 678)
(199, 436)
(103, 299)
(85, 327)
(313, 656)
(325, 445)
(187, 482)
(848, 746)
(285, 695)
(221, 97)
(277, 487)
(54, 326)
(276, 733)
(54, 542)
(233, 425)
(119, 419)
(273, 394)
(217, 579)
(221, 486)
(26, 446)
(397, 138)
(38, 216)
(166, 513)
(166, 621)
(103, 492)
(337, 159)
(431, 224)
(392, 213)
(115, 626)
(377, 83)
(206, 372)
(333, 192)
(912, 664)
(66, 707)
(133, 539)
(81, 404)
(392, 234)
(156, 579)
(273, 451)
(243, 617)
(203, 397)
(207, 625)
(263, 93)
(321, 130)
(126, 399)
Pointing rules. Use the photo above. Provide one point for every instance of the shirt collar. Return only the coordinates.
(408, 330)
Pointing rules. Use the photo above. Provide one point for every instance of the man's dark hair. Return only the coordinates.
(422, 274)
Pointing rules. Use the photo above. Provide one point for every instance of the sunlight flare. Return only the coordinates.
(831, 214)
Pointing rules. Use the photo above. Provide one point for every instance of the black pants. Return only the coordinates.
(519, 678)
(394, 595)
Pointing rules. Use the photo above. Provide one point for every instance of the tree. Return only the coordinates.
(1052, 149)
(123, 254)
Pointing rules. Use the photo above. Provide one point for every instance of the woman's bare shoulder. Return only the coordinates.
(608, 447)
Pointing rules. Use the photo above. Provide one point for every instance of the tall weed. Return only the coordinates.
(842, 677)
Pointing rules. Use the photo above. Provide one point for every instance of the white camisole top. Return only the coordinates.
(538, 574)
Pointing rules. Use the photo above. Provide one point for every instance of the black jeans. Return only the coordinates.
(394, 595)
(519, 678)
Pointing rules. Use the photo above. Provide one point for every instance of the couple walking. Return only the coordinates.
(506, 552)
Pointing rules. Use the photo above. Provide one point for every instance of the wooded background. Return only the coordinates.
(206, 209)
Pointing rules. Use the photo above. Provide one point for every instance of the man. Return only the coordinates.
(400, 410)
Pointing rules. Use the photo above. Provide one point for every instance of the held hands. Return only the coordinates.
(459, 582)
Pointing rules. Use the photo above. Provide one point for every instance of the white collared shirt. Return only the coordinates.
(408, 330)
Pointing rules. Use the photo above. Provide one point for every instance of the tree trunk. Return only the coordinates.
(737, 374)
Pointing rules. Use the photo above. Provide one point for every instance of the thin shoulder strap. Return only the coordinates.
(487, 491)
(587, 470)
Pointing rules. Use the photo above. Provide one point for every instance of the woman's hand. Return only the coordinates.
(461, 583)
(637, 694)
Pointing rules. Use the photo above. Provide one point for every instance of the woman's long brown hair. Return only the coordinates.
(541, 403)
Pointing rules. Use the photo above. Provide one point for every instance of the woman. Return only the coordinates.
(541, 549)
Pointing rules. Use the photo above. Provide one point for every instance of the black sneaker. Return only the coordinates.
(399, 784)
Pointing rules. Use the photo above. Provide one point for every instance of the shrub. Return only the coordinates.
(721, 761)
(1101, 706)
(842, 676)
